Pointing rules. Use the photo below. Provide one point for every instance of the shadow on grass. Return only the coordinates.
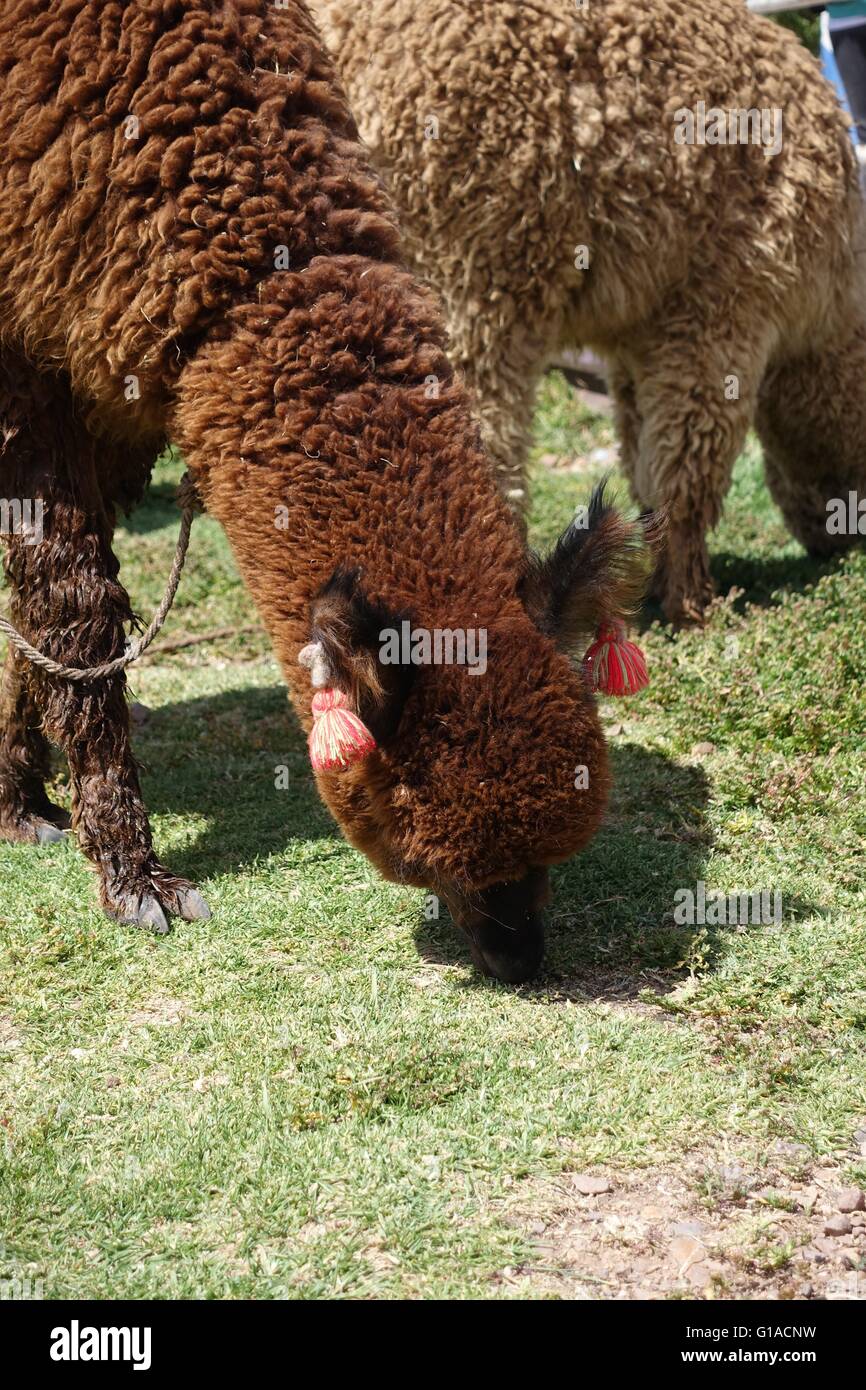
(157, 510)
(218, 759)
(610, 931)
(760, 577)
(611, 934)
(762, 580)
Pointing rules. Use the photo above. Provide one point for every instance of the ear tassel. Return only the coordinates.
(615, 665)
(338, 737)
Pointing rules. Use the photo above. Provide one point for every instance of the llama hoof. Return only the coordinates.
(192, 906)
(47, 834)
(161, 896)
(43, 827)
(144, 911)
(684, 610)
(151, 917)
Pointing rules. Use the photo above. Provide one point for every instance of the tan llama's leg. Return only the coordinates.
(811, 419)
(627, 420)
(695, 397)
(502, 363)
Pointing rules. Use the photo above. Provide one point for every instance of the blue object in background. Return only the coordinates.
(847, 12)
(829, 68)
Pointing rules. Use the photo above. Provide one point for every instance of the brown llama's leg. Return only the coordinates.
(67, 601)
(695, 394)
(26, 813)
(811, 420)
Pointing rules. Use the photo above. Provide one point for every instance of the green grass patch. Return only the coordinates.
(313, 1095)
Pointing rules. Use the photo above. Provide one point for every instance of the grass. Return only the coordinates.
(312, 1095)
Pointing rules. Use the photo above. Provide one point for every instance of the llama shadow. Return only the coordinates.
(217, 759)
(761, 581)
(611, 934)
(236, 762)
(157, 510)
(762, 577)
(610, 928)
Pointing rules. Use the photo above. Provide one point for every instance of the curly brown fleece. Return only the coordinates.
(514, 133)
(193, 247)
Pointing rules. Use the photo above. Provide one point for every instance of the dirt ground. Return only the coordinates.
(707, 1228)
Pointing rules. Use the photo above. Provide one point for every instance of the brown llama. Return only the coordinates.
(551, 190)
(192, 247)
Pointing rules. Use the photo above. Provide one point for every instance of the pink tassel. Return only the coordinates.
(338, 737)
(615, 665)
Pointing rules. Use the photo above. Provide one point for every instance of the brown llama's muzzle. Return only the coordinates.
(504, 925)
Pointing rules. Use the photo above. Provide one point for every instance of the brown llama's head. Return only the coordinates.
(487, 772)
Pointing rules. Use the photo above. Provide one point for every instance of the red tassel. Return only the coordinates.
(338, 737)
(615, 665)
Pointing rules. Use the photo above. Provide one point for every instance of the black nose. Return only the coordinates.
(505, 928)
(513, 955)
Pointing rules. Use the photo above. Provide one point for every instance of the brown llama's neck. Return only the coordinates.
(324, 427)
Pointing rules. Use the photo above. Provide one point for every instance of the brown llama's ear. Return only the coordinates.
(347, 633)
(596, 574)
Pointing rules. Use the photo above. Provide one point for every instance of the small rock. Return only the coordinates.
(590, 1185)
(698, 1276)
(813, 1255)
(825, 1177)
(686, 1251)
(827, 1246)
(736, 1179)
(653, 1213)
(613, 730)
(860, 1136)
(792, 1153)
(838, 1226)
(850, 1199)
(703, 750)
(112, 1082)
(689, 1228)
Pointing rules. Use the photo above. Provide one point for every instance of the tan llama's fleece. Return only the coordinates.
(534, 156)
